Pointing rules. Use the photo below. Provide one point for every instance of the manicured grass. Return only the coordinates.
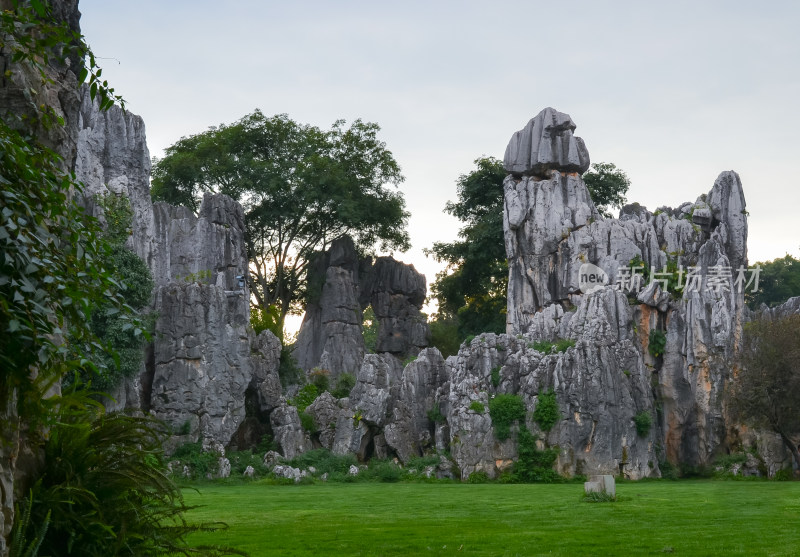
(682, 518)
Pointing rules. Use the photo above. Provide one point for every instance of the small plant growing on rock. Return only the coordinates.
(435, 415)
(643, 421)
(477, 406)
(546, 413)
(495, 376)
(344, 385)
(504, 410)
(657, 343)
(320, 378)
(304, 397)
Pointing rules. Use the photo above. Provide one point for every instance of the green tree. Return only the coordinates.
(767, 385)
(302, 187)
(607, 185)
(779, 280)
(472, 288)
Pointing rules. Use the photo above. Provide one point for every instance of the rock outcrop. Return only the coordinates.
(331, 336)
(552, 229)
(397, 292)
(112, 158)
(202, 365)
(546, 143)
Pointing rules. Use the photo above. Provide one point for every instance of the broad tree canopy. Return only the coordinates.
(301, 187)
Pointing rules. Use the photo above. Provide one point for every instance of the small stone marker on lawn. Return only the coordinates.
(601, 484)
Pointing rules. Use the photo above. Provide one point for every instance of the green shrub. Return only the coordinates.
(320, 378)
(534, 465)
(304, 397)
(325, 462)
(468, 340)
(422, 462)
(599, 497)
(784, 475)
(307, 421)
(477, 406)
(435, 415)
(729, 460)
(668, 471)
(385, 471)
(546, 413)
(496, 377)
(289, 372)
(200, 462)
(266, 319)
(240, 460)
(550, 347)
(479, 477)
(643, 421)
(265, 445)
(657, 343)
(103, 489)
(504, 410)
(344, 385)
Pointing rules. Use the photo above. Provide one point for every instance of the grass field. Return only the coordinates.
(681, 518)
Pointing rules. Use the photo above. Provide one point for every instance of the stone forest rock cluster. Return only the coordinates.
(213, 380)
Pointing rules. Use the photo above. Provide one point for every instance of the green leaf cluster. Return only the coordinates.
(302, 188)
(546, 413)
(643, 421)
(779, 280)
(533, 465)
(103, 489)
(472, 289)
(607, 186)
(657, 343)
(505, 410)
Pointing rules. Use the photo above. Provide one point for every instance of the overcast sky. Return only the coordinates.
(671, 92)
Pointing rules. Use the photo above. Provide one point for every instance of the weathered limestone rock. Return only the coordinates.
(409, 429)
(600, 385)
(331, 335)
(601, 484)
(208, 248)
(288, 431)
(112, 157)
(325, 413)
(398, 292)
(371, 395)
(202, 365)
(265, 359)
(546, 143)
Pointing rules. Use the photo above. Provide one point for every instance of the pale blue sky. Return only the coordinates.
(671, 92)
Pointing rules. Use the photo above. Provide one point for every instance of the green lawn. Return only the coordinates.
(682, 518)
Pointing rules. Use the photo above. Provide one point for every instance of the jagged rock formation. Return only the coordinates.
(331, 337)
(202, 366)
(546, 143)
(397, 292)
(112, 157)
(552, 228)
